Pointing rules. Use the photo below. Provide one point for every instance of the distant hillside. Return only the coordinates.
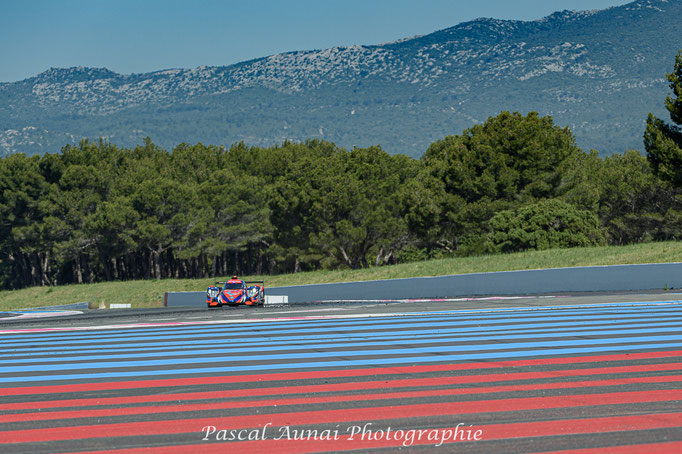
(599, 72)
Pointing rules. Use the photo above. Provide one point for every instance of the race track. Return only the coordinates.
(570, 374)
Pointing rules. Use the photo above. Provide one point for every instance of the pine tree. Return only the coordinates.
(663, 142)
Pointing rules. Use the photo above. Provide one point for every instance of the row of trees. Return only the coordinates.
(98, 212)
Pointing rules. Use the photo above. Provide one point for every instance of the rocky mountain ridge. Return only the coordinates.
(599, 72)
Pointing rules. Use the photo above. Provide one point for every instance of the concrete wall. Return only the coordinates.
(578, 279)
(177, 299)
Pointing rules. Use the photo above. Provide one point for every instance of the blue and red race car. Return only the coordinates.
(235, 292)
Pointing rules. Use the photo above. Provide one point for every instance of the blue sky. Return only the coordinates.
(136, 36)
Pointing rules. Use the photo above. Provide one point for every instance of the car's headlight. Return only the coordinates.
(212, 292)
(253, 292)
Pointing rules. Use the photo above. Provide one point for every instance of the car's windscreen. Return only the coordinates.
(235, 286)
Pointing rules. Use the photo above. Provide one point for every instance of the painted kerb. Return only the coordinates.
(655, 276)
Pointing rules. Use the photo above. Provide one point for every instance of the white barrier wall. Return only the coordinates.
(274, 300)
(658, 276)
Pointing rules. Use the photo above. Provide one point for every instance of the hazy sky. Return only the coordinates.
(135, 36)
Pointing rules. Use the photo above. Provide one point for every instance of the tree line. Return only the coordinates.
(97, 212)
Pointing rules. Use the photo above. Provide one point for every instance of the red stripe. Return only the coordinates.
(670, 447)
(489, 433)
(105, 386)
(127, 411)
(352, 386)
(332, 416)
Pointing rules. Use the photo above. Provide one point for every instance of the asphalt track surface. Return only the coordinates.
(586, 373)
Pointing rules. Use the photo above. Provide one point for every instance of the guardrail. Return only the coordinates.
(657, 276)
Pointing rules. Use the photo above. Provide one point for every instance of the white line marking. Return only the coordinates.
(447, 300)
(41, 314)
(311, 310)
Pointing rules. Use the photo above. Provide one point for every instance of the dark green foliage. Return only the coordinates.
(508, 161)
(633, 202)
(98, 212)
(674, 104)
(22, 243)
(336, 208)
(663, 142)
(510, 157)
(546, 224)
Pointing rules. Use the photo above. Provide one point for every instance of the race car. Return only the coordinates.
(235, 292)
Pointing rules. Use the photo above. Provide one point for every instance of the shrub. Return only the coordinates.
(542, 225)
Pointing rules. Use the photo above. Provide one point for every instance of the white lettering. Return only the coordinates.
(446, 434)
(354, 430)
(409, 437)
(221, 435)
(366, 431)
(454, 437)
(265, 427)
(284, 432)
(209, 430)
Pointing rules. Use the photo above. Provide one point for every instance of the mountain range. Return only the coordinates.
(598, 72)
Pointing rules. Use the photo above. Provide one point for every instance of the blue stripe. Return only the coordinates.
(343, 363)
(630, 339)
(326, 354)
(476, 314)
(320, 325)
(551, 328)
(368, 341)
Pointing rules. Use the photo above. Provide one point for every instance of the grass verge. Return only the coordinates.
(150, 293)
